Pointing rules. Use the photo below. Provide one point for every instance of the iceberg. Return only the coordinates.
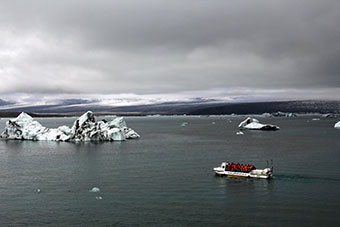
(95, 189)
(85, 128)
(254, 124)
(184, 124)
(327, 115)
(279, 114)
(337, 125)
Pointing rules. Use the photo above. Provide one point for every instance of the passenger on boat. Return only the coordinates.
(239, 167)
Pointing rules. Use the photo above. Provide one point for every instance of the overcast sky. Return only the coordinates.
(169, 49)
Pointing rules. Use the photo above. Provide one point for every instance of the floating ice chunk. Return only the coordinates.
(266, 115)
(213, 122)
(95, 189)
(291, 115)
(239, 133)
(328, 115)
(184, 124)
(99, 197)
(37, 190)
(316, 119)
(254, 124)
(85, 128)
(337, 125)
(282, 114)
(130, 134)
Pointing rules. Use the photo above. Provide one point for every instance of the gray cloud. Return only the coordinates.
(157, 46)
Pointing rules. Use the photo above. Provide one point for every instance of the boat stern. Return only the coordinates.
(261, 173)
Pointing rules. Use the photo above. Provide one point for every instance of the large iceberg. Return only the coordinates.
(252, 123)
(85, 128)
(337, 125)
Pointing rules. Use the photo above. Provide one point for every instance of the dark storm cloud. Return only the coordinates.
(158, 46)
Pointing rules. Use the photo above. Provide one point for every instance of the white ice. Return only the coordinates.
(252, 123)
(184, 124)
(337, 125)
(85, 128)
(95, 189)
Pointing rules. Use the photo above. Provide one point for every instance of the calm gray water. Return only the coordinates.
(165, 178)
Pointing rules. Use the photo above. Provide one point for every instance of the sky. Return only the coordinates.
(146, 51)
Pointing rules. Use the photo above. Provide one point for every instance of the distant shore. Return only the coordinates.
(61, 115)
(185, 108)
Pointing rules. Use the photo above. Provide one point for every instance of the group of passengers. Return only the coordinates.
(239, 167)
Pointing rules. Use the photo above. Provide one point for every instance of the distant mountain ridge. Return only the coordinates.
(4, 103)
(197, 107)
(271, 107)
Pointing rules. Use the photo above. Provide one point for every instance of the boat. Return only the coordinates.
(241, 170)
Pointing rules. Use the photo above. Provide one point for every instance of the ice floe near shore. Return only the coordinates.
(85, 128)
(254, 124)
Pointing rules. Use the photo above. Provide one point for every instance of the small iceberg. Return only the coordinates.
(95, 189)
(239, 133)
(85, 128)
(282, 114)
(337, 125)
(184, 124)
(266, 115)
(254, 124)
(327, 115)
(99, 197)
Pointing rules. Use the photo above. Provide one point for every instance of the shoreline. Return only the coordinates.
(63, 115)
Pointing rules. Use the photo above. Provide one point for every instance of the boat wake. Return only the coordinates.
(302, 178)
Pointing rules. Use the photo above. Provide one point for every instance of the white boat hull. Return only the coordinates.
(257, 173)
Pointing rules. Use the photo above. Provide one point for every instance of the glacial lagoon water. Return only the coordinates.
(165, 178)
